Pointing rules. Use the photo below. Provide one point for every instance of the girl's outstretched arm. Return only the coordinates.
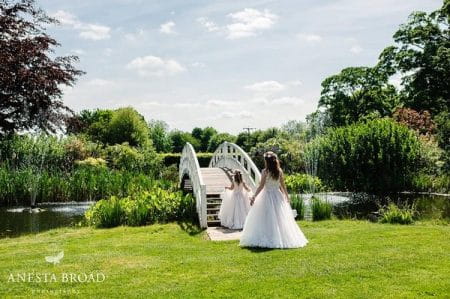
(260, 187)
(246, 187)
(231, 187)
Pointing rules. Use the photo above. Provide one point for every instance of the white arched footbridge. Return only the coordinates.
(206, 183)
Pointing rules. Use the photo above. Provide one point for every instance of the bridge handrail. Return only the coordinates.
(189, 162)
(228, 150)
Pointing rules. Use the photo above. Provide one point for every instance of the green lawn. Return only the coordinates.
(344, 259)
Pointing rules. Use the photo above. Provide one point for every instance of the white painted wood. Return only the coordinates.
(189, 166)
(233, 156)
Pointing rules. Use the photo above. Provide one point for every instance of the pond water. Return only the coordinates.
(361, 205)
(15, 221)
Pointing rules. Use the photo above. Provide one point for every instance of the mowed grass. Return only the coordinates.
(344, 259)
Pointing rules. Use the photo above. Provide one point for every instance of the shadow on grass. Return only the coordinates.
(191, 228)
(258, 249)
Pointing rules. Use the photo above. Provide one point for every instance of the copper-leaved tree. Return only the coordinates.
(31, 77)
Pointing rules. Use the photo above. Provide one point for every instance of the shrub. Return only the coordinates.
(126, 158)
(302, 183)
(393, 214)
(155, 205)
(289, 152)
(379, 156)
(174, 158)
(170, 173)
(106, 213)
(321, 210)
(298, 204)
(443, 136)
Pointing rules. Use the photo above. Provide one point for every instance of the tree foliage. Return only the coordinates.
(31, 78)
(357, 93)
(377, 156)
(421, 122)
(160, 136)
(127, 125)
(422, 56)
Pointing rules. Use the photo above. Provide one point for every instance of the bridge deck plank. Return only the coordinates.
(215, 180)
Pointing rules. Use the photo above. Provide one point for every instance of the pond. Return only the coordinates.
(16, 221)
(361, 205)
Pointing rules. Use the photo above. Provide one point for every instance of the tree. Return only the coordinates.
(127, 125)
(203, 136)
(294, 129)
(207, 134)
(179, 139)
(357, 93)
(93, 123)
(160, 137)
(31, 78)
(422, 56)
(218, 139)
(420, 122)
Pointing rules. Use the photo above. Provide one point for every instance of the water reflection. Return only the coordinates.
(21, 220)
(363, 205)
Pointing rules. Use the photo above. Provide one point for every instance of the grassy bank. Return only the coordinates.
(343, 259)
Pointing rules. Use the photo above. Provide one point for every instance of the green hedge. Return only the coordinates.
(378, 156)
(174, 158)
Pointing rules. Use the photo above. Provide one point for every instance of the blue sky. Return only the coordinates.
(227, 64)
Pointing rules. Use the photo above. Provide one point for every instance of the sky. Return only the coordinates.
(226, 64)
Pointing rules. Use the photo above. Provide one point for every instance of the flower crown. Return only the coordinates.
(270, 155)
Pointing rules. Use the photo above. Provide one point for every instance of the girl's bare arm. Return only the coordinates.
(261, 185)
(231, 187)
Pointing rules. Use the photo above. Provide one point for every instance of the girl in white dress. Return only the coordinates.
(270, 222)
(235, 203)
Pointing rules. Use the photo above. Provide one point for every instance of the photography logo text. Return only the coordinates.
(52, 277)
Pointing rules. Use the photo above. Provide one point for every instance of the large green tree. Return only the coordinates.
(31, 75)
(160, 136)
(357, 93)
(421, 56)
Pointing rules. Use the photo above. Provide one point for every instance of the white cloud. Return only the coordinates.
(249, 22)
(295, 101)
(209, 25)
(87, 30)
(356, 49)
(266, 86)
(310, 38)
(167, 28)
(295, 83)
(99, 82)
(138, 35)
(240, 114)
(108, 52)
(95, 32)
(198, 64)
(155, 66)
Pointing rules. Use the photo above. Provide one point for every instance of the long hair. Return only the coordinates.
(272, 164)
(237, 177)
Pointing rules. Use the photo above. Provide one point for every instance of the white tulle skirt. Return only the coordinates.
(271, 223)
(234, 208)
